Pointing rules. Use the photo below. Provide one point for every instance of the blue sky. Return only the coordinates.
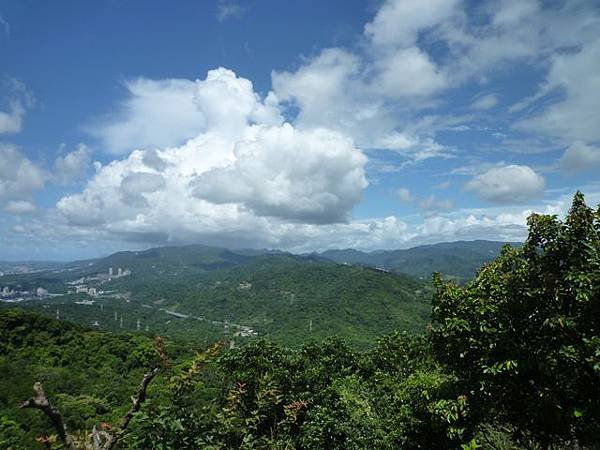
(294, 125)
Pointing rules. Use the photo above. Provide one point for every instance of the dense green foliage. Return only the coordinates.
(525, 334)
(511, 361)
(90, 375)
(321, 396)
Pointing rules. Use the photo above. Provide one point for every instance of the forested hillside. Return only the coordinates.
(285, 298)
(291, 299)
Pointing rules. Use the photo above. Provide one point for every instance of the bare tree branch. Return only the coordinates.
(137, 401)
(139, 398)
(41, 402)
(106, 437)
(100, 439)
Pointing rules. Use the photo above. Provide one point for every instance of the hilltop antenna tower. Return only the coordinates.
(57, 314)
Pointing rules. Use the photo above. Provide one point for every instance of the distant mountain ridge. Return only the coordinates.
(459, 259)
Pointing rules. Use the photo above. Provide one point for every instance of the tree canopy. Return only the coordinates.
(524, 335)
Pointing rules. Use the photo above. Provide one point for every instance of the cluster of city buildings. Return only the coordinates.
(118, 274)
(82, 285)
(17, 270)
(245, 285)
(91, 291)
(9, 295)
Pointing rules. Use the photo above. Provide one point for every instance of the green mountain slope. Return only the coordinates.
(160, 261)
(190, 258)
(291, 299)
(206, 294)
(458, 260)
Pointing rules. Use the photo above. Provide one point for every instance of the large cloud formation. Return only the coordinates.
(212, 160)
(243, 167)
(309, 176)
(160, 113)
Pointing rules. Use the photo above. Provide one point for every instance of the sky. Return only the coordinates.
(301, 126)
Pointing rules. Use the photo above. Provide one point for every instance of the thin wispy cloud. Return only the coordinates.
(4, 25)
(228, 9)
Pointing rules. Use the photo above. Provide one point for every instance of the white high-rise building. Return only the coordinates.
(120, 272)
(110, 272)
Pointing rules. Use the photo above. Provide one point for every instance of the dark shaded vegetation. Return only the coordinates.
(89, 375)
(511, 361)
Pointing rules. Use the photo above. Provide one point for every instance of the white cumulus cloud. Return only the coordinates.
(160, 113)
(73, 165)
(212, 184)
(18, 101)
(580, 157)
(244, 176)
(310, 176)
(19, 177)
(507, 184)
